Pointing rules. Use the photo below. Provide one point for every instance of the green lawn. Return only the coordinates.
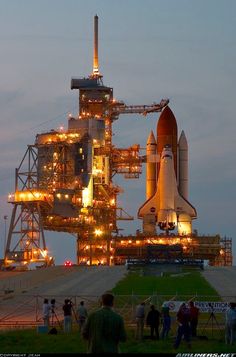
(29, 341)
(189, 283)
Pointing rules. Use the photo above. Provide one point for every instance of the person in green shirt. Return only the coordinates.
(104, 328)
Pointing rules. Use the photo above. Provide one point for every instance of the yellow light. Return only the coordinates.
(66, 196)
(44, 253)
(137, 241)
(98, 232)
(112, 202)
(58, 195)
(130, 241)
(87, 194)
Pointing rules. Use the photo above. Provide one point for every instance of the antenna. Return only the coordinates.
(95, 48)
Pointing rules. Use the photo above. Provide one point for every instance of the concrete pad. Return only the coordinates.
(223, 280)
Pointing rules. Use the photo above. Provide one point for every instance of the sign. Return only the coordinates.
(203, 306)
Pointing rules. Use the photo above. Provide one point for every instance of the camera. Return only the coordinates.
(53, 302)
(69, 302)
(211, 306)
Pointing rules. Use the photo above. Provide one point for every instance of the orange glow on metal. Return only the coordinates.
(27, 196)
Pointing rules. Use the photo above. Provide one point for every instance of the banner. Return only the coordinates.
(203, 306)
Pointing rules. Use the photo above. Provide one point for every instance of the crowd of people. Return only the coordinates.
(50, 317)
(104, 328)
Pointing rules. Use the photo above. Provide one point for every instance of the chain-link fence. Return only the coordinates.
(21, 311)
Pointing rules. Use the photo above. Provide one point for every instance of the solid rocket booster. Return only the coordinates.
(167, 206)
(183, 165)
(151, 148)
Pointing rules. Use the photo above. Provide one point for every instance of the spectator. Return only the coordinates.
(140, 317)
(230, 324)
(153, 320)
(183, 319)
(194, 313)
(166, 321)
(104, 328)
(46, 312)
(82, 315)
(67, 309)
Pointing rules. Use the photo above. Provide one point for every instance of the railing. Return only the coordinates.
(26, 310)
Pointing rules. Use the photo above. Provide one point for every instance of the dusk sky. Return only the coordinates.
(184, 50)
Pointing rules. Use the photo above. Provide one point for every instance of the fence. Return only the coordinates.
(21, 311)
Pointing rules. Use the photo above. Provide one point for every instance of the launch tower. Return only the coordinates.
(64, 183)
(65, 180)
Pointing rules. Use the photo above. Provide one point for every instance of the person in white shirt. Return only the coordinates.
(46, 312)
(140, 317)
(230, 324)
(82, 315)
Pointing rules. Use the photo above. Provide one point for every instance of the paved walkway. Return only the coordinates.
(21, 295)
(75, 280)
(223, 279)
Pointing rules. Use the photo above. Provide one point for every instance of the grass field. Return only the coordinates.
(193, 283)
(29, 341)
(185, 283)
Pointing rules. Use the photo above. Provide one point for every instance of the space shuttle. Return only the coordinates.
(167, 204)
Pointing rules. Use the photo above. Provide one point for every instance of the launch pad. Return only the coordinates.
(64, 183)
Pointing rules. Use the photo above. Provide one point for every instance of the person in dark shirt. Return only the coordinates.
(166, 321)
(183, 319)
(104, 328)
(67, 309)
(153, 320)
(194, 312)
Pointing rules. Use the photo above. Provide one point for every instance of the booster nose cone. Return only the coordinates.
(183, 141)
(151, 139)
